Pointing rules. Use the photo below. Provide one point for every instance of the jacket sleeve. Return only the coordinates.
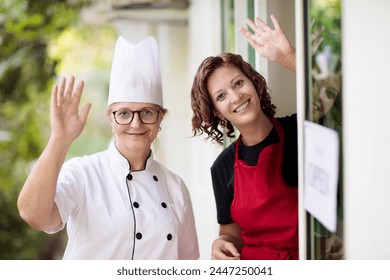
(188, 240)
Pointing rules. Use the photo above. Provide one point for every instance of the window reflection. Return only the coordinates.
(325, 107)
(326, 86)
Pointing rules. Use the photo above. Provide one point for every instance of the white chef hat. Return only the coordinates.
(135, 73)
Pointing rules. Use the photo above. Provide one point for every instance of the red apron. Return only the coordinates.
(264, 206)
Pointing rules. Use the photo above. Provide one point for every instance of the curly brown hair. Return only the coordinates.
(205, 118)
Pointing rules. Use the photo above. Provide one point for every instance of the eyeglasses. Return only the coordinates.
(146, 115)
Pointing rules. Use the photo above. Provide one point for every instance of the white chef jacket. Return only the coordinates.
(114, 213)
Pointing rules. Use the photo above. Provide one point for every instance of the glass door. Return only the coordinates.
(324, 107)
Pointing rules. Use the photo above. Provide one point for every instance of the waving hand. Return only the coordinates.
(66, 122)
(269, 43)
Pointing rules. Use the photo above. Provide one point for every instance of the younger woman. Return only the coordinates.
(255, 178)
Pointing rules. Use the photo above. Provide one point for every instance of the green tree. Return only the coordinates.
(26, 75)
(327, 13)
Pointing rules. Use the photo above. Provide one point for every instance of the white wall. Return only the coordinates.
(204, 40)
(282, 81)
(366, 128)
(300, 81)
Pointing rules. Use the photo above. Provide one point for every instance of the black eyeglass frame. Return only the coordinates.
(138, 112)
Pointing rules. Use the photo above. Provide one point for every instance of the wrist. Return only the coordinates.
(59, 141)
(289, 60)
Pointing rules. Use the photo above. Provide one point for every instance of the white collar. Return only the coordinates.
(150, 167)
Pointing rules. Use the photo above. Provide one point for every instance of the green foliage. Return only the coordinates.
(327, 13)
(25, 33)
(17, 240)
(26, 75)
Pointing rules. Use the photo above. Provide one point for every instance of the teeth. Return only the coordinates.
(242, 107)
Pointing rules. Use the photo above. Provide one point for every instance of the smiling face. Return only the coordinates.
(325, 93)
(135, 137)
(211, 114)
(234, 96)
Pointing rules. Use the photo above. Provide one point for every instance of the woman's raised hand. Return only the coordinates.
(66, 122)
(269, 43)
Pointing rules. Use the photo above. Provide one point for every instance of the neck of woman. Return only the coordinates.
(137, 159)
(255, 132)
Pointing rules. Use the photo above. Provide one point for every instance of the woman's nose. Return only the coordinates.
(235, 96)
(136, 122)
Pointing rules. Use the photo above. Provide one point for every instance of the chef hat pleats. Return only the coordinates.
(135, 73)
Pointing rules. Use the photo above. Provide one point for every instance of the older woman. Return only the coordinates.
(119, 203)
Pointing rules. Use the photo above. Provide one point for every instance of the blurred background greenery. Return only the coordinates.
(40, 41)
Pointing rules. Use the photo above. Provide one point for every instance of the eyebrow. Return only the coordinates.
(231, 81)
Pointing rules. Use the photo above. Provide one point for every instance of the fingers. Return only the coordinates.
(315, 44)
(84, 112)
(223, 257)
(78, 92)
(317, 33)
(232, 250)
(275, 22)
(253, 25)
(248, 35)
(63, 93)
(223, 250)
(219, 255)
(61, 90)
(251, 38)
(75, 99)
(312, 20)
(69, 90)
(316, 39)
(261, 24)
(54, 96)
(245, 32)
(260, 29)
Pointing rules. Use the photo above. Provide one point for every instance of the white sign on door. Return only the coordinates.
(321, 163)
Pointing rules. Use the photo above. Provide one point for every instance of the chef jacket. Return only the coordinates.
(112, 212)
